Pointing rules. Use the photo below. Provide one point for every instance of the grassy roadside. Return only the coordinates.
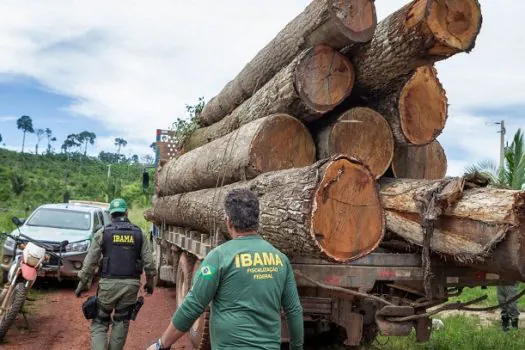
(459, 333)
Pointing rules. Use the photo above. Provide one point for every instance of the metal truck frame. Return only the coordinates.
(344, 303)
(330, 313)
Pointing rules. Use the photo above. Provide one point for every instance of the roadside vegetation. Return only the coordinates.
(28, 180)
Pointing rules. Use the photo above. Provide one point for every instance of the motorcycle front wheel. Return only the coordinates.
(15, 302)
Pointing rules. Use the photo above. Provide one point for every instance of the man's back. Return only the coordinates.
(250, 281)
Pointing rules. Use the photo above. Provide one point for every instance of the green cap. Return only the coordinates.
(117, 205)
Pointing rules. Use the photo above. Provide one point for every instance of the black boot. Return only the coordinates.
(514, 323)
(505, 323)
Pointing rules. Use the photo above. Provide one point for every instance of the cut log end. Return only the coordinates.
(324, 78)
(282, 143)
(364, 134)
(347, 219)
(455, 24)
(357, 18)
(425, 162)
(422, 107)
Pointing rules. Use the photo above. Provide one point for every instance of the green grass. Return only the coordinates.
(27, 181)
(459, 333)
(473, 293)
(136, 216)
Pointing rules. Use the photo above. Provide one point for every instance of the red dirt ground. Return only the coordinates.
(57, 323)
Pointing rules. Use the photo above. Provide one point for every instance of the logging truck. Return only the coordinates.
(349, 303)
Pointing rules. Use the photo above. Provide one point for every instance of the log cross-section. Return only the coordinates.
(314, 83)
(414, 105)
(360, 133)
(422, 162)
(330, 209)
(421, 32)
(336, 23)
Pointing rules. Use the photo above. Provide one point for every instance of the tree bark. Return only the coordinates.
(474, 219)
(420, 33)
(422, 162)
(361, 133)
(330, 209)
(314, 83)
(415, 107)
(336, 23)
(271, 143)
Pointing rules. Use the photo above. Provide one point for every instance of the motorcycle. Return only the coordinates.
(22, 274)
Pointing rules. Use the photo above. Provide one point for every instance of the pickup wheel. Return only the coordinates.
(199, 332)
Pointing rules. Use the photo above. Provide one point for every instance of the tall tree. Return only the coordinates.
(40, 133)
(86, 137)
(512, 175)
(0, 137)
(120, 142)
(50, 138)
(25, 123)
(70, 142)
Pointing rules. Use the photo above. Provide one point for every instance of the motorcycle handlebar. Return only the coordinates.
(48, 248)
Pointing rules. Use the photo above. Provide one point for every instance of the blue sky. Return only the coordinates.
(128, 68)
(25, 96)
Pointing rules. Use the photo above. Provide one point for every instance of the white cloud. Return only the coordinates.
(133, 65)
(7, 118)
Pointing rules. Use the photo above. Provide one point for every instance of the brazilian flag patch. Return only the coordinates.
(207, 272)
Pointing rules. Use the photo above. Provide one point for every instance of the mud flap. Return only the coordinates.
(389, 328)
(354, 329)
(423, 329)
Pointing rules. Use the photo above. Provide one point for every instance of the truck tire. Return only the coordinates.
(199, 332)
(184, 276)
(18, 297)
(157, 250)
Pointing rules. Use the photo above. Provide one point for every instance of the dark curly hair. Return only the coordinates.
(242, 207)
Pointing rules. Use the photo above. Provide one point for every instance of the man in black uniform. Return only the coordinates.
(125, 252)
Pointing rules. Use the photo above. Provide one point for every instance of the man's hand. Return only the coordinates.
(150, 284)
(80, 288)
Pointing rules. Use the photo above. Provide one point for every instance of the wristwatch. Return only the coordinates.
(158, 345)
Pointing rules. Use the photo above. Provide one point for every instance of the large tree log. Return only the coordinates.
(330, 209)
(272, 143)
(422, 32)
(414, 105)
(360, 133)
(474, 220)
(422, 162)
(336, 23)
(314, 83)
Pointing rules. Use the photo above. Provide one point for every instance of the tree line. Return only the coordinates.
(74, 143)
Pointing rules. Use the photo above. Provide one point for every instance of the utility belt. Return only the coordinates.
(91, 308)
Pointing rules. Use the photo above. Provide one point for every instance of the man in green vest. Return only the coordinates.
(247, 281)
(126, 253)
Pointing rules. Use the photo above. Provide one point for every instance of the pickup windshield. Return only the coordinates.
(58, 218)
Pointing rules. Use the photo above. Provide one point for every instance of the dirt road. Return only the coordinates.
(57, 323)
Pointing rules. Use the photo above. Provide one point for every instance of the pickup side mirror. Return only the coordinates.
(18, 222)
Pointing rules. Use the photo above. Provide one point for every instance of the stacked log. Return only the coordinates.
(315, 82)
(360, 133)
(330, 209)
(336, 23)
(317, 118)
(271, 143)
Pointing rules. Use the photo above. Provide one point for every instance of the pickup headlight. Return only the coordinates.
(81, 246)
(9, 243)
